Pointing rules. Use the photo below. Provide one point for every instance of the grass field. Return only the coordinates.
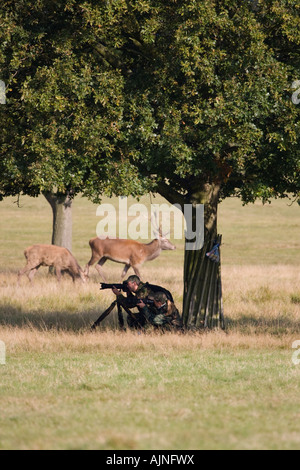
(63, 387)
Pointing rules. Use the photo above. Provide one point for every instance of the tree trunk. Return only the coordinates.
(202, 302)
(62, 219)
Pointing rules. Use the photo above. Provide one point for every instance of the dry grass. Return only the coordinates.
(29, 339)
(257, 300)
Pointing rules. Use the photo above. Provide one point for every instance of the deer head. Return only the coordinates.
(165, 243)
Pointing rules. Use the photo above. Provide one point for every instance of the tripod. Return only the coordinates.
(109, 310)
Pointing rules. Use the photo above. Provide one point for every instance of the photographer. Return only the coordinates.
(136, 290)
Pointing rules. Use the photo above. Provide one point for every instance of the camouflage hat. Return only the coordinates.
(160, 297)
(134, 278)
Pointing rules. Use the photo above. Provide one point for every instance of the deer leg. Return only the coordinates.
(83, 277)
(27, 270)
(21, 272)
(72, 275)
(98, 267)
(58, 273)
(127, 266)
(92, 261)
(136, 270)
(31, 274)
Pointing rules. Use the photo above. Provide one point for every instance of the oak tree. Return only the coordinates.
(190, 98)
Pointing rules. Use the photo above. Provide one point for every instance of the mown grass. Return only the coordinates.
(64, 387)
(129, 391)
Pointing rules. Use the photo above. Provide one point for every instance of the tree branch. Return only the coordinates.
(171, 195)
(108, 55)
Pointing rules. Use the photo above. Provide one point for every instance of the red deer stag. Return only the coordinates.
(50, 255)
(129, 252)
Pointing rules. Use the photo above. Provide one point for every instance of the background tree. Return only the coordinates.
(60, 127)
(212, 113)
(188, 98)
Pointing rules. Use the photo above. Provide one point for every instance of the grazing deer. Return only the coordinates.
(129, 252)
(50, 255)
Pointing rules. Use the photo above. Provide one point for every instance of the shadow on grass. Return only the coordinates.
(59, 320)
(82, 319)
(278, 326)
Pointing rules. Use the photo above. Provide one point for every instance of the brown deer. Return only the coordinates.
(129, 252)
(50, 255)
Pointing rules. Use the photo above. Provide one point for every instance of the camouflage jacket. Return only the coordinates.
(167, 315)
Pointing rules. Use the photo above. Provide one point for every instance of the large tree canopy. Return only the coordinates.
(215, 98)
(101, 91)
(65, 103)
(191, 98)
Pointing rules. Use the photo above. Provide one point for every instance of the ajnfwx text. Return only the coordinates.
(155, 459)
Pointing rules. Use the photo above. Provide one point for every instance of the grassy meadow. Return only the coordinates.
(64, 387)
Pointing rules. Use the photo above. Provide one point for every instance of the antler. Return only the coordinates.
(157, 228)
